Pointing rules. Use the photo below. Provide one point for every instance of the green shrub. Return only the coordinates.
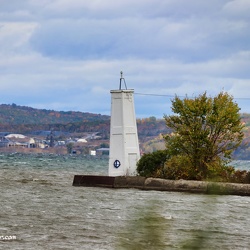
(159, 164)
(151, 164)
(240, 176)
(180, 167)
(218, 171)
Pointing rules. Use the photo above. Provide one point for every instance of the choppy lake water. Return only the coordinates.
(41, 208)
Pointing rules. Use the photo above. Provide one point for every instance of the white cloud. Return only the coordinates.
(15, 37)
(67, 55)
(237, 9)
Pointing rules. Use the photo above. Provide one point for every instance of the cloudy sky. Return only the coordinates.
(67, 54)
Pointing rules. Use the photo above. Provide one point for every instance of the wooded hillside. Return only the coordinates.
(18, 115)
(25, 120)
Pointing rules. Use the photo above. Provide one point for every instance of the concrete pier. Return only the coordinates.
(143, 183)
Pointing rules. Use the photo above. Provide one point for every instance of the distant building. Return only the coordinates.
(4, 142)
(102, 151)
(60, 143)
(82, 140)
(19, 140)
(92, 152)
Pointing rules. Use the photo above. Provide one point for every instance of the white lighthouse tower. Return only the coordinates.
(124, 146)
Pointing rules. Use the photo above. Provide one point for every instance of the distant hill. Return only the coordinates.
(22, 119)
(17, 115)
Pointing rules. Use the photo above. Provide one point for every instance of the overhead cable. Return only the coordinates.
(161, 95)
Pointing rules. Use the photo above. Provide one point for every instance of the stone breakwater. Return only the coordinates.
(162, 184)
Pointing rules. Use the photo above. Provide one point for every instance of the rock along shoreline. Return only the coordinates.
(143, 183)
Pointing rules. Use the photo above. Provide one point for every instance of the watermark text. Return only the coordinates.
(7, 237)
